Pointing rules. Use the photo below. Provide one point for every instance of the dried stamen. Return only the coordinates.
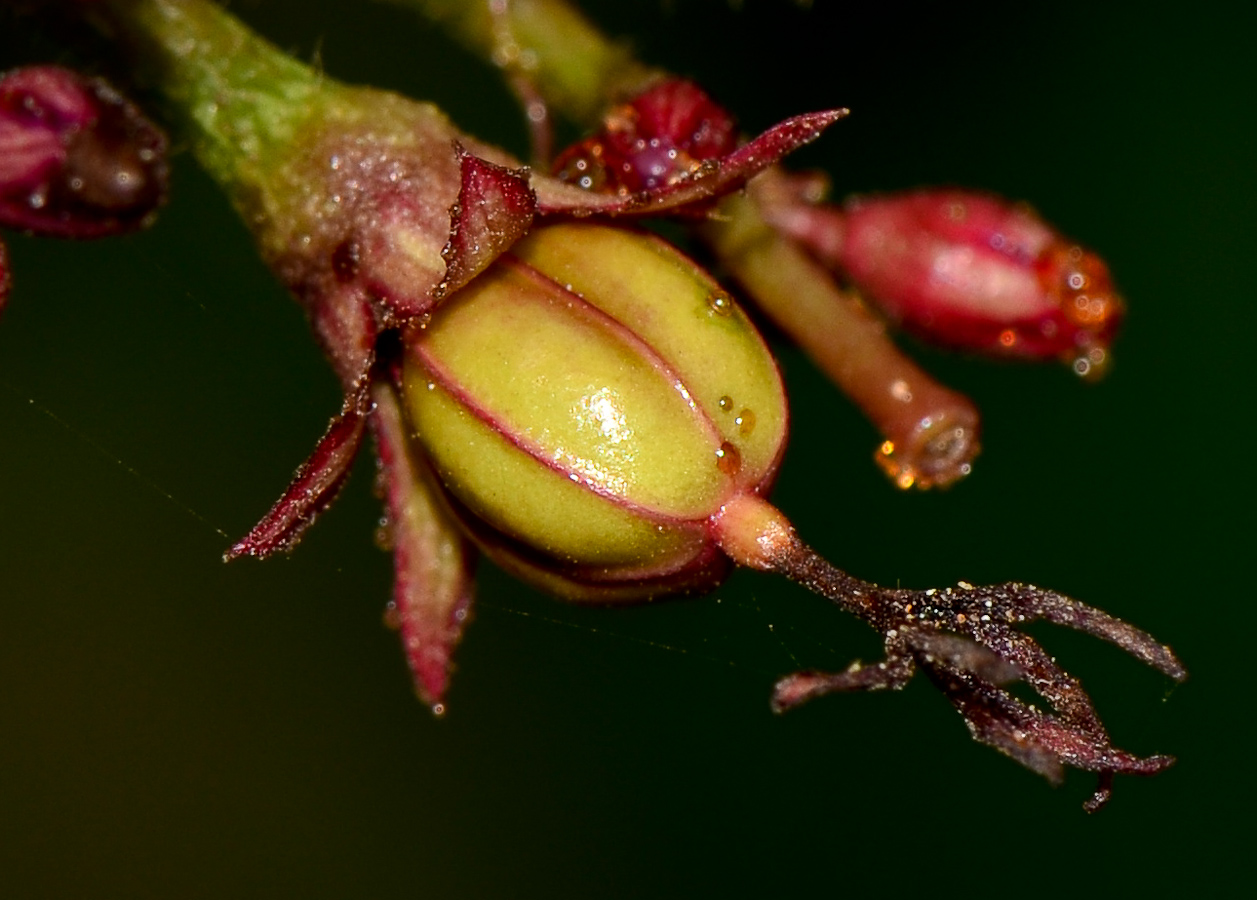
(966, 640)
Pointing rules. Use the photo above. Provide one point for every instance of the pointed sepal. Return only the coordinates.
(495, 209)
(315, 484)
(432, 587)
(691, 190)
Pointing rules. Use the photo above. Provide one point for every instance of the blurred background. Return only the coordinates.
(174, 727)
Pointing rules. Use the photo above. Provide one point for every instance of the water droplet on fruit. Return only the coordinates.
(720, 303)
(384, 535)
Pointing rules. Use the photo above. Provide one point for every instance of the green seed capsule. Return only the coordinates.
(586, 405)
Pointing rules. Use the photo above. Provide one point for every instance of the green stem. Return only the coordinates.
(279, 136)
(570, 63)
(240, 99)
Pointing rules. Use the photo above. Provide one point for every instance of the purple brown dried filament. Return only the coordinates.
(967, 642)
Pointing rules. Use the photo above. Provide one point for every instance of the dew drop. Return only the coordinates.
(745, 422)
(392, 616)
(720, 303)
(901, 390)
(728, 459)
(384, 535)
(726, 403)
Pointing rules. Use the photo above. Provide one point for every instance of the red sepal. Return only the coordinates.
(708, 180)
(432, 561)
(495, 209)
(315, 484)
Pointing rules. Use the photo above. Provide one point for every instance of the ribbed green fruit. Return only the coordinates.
(589, 404)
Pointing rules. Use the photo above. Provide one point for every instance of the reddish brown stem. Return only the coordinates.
(931, 431)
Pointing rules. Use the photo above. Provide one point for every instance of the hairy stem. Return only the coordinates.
(573, 66)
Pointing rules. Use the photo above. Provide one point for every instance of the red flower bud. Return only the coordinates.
(76, 158)
(969, 270)
(662, 136)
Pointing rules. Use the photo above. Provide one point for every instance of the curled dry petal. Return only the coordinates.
(76, 158)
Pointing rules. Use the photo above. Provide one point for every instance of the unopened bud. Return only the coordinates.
(76, 158)
(662, 136)
(971, 271)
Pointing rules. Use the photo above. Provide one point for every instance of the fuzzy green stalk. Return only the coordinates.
(259, 121)
(571, 64)
(240, 100)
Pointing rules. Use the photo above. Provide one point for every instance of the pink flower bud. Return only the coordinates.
(662, 136)
(76, 158)
(969, 270)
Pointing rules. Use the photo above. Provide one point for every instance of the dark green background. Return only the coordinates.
(173, 727)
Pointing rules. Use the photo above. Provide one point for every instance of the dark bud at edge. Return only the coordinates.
(77, 159)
